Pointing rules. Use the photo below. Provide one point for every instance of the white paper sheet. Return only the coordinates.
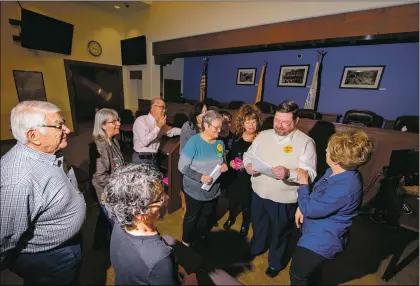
(214, 174)
(262, 167)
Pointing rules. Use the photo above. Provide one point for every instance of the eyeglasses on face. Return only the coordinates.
(160, 199)
(215, 127)
(114, 121)
(60, 125)
(161, 106)
(285, 123)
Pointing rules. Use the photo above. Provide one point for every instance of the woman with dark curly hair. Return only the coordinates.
(326, 210)
(135, 197)
(247, 125)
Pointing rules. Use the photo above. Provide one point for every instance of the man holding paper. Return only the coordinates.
(274, 201)
(201, 162)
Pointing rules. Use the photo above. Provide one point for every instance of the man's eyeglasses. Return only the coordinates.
(114, 121)
(285, 123)
(60, 125)
(161, 106)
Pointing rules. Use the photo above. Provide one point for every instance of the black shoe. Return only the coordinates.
(271, 272)
(228, 224)
(244, 230)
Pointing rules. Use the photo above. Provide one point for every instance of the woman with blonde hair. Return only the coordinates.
(247, 125)
(326, 211)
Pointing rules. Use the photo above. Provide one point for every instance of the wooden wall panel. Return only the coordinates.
(383, 21)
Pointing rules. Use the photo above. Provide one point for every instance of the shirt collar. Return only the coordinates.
(331, 179)
(282, 138)
(37, 155)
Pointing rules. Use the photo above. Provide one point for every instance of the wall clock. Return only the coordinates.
(94, 48)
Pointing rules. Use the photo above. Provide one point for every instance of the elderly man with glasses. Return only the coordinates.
(274, 200)
(148, 131)
(42, 210)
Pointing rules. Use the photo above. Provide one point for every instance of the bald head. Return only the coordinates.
(157, 101)
(157, 108)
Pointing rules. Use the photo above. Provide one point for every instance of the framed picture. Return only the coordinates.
(246, 76)
(29, 85)
(294, 76)
(362, 77)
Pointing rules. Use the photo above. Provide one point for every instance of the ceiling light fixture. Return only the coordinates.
(117, 7)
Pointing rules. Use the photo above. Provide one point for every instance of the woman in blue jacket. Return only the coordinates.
(326, 212)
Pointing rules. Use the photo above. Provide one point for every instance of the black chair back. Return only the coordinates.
(363, 118)
(309, 114)
(126, 116)
(266, 107)
(235, 104)
(410, 122)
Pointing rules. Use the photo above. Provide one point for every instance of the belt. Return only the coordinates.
(146, 156)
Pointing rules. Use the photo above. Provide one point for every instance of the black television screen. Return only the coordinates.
(44, 33)
(133, 51)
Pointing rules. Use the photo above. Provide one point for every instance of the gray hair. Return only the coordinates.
(131, 189)
(101, 117)
(210, 116)
(30, 115)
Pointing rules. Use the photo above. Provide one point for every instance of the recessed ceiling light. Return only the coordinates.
(117, 7)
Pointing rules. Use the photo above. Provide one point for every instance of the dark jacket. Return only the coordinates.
(108, 158)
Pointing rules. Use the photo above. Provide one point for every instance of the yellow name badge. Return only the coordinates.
(288, 149)
(219, 150)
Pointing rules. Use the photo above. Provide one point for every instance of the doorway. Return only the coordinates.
(91, 87)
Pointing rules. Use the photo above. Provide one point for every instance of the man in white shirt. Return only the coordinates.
(148, 131)
(274, 200)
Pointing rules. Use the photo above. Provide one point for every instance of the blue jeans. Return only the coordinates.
(59, 266)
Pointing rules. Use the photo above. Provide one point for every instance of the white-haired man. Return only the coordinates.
(41, 207)
(148, 131)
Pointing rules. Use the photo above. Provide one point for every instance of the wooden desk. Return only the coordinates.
(168, 160)
(385, 141)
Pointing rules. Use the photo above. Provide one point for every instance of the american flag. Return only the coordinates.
(203, 82)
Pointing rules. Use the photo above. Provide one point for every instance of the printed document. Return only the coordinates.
(214, 174)
(262, 167)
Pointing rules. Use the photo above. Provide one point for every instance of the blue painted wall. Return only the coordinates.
(400, 79)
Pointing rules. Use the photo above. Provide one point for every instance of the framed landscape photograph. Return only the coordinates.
(29, 85)
(294, 76)
(246, 76)
(362, 77)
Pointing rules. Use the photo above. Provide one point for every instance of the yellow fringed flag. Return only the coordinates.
(260, 90)
(203, 82)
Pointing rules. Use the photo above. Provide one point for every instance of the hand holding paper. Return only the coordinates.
(214, 175)
(262, 167)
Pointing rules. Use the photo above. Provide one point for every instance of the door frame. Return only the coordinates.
(70, 85)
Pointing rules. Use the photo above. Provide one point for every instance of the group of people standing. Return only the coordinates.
(42, 210)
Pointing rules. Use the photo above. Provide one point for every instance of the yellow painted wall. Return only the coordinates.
(90, 23)
(169, 20)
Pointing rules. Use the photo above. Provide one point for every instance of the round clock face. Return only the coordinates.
(94, 48)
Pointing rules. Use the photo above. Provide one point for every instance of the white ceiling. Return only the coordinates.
(127, 8)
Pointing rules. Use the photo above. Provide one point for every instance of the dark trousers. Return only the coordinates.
(304, 264)
(199, 218)
(152, 160)
(236, 208)
(54, 267)
(103, 228)
(280, 217)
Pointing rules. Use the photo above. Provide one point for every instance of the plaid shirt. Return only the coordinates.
(40, 204)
